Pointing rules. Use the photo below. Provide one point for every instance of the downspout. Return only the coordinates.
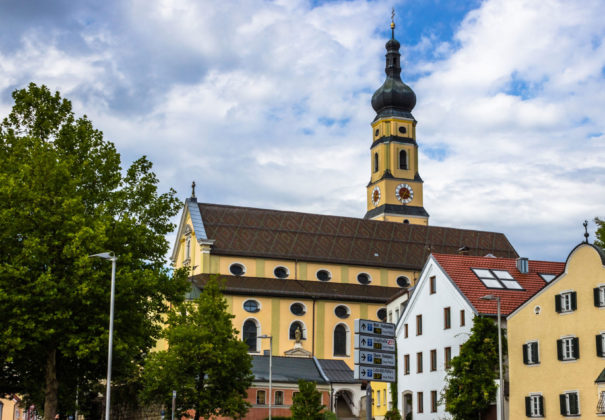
(313, 335)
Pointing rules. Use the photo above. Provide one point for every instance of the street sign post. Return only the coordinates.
(365, 326)
(375, 351)
(373, 358)
(375, 374)
(364, 342)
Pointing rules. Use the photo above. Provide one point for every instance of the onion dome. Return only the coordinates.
(394, 98)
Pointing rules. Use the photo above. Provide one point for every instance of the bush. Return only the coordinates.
(392, 414)
(328, 415)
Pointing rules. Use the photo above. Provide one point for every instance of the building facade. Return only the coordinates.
(556, 344)
(439, 316)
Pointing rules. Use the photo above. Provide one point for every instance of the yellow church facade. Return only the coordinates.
(556, 344)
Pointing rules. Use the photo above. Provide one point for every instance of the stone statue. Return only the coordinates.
(298, 334)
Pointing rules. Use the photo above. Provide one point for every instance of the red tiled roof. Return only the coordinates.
(244, 231)
(458, 267)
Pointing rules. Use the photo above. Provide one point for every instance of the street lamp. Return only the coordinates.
(112, 257)
(270, 369)
(500, 390)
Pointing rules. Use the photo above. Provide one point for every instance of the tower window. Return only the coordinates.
(403, 159)
(403, 130)
(375, 162)
(376, 132)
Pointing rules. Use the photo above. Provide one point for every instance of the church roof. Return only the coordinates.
(286, 369)
(259, 286)
(262, 233)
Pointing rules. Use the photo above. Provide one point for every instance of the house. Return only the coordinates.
(556, 343)
(439, 316)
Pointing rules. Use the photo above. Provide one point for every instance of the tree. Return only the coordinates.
(470, 384)
(306, 405)
(63, 197)
(600, 233)
(206, 363)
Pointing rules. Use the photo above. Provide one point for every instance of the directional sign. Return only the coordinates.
(374, 358)
(365, 326)
(374, 374)
(364, 342)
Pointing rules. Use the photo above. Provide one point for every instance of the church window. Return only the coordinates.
(341, 311)
(340, 340)
(403, 281)
(281, 272)
(375, 162)
(403, 160)
(250, 332)
(323, 275)
(382, 314)
(251, 306)
(297, 309)
(402, 130)
(364, 278)
(237, 269)
(297, 325)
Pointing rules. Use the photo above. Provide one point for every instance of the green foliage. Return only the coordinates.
(279, 418)
(392, 414)
(328, 415)
(205, 363)
(64, 196)
(600, 233)
(470, 384)
(307, 403)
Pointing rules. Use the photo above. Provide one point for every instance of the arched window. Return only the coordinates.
(375, 162)
(250, 335)
(293, 327)
(340, 340)
(403, 159)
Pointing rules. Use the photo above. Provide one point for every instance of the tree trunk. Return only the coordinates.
(51, 389)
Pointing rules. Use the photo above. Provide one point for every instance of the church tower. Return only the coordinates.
(395, 189)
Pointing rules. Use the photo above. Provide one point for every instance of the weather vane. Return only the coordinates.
(586, 230)
(393, 23)
(193, 189)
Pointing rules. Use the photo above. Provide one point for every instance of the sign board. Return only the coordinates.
(375, 374)
(363, 342)
(365, 326)
(374, 358)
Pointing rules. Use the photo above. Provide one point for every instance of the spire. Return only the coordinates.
(393, 98)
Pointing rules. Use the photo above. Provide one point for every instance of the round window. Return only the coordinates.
(297, 309)
(382, 314)
(251, 306)
(364, 278)
(323, 275)
(281, 272)
(341, 311)
(403, 281)
(237, 269)
(402, 130)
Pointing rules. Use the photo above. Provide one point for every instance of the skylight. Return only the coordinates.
(497, 279)
(548, 277)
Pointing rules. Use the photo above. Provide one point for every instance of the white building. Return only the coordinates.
(439, 315)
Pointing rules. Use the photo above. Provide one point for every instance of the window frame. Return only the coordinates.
(275, 399)
(534, 405)
(433, 285)
(346, 340)
(567, 404)
(362, 273)
(531, 351)
(566, 302)
(419, 324)
(323, 270)
(257, 325)
(277, 267)
(403, 164)
(420, 401)
(599, 296)
(462, 318)
(348, 314)
(303, 330)
(264, 394)
(406, 364)
(419, 362)
(434, 401)
(258, 306)
(447, 318)
(304, 309)
(447, 357)
(238, 264)
(433, 359)
(568, 348)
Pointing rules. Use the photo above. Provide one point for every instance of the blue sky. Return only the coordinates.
(267, 103)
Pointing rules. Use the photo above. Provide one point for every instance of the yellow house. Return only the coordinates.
(556, 343)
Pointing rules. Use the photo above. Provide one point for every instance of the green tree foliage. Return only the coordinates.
(205, 363)
(307, 403)
(64, 196)
(600, 233)
(470, 384)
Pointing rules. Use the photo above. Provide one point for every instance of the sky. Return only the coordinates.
(267, 103)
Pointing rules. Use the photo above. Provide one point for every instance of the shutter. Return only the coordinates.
(573, 403)
(541, 405)
(525, 360)
(563, 404)
(560, 349)
(574, 301)
(599, 345)
(534, 353)
(528, 406)
(576, 347)
(558, 303)
(597, 298)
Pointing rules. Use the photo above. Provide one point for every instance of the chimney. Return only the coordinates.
(523, 265)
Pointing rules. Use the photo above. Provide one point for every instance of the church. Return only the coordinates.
(304, 278)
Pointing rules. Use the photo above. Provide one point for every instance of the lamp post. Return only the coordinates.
(270, 370)
(500, 390)
(112, 257)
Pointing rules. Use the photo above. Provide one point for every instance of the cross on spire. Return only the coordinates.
(585, 231)
(193, 189)
(393, 23)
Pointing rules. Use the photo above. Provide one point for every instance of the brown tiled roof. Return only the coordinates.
(244, 231)
(260, 286)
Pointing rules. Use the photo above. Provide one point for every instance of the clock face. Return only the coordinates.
(404, 193)
(376, 195)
